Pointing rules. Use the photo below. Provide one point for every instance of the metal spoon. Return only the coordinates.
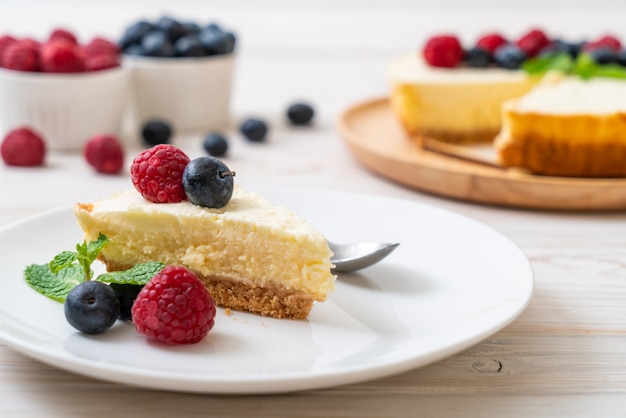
(350, 257)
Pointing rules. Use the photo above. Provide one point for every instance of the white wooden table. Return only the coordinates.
(564, 356)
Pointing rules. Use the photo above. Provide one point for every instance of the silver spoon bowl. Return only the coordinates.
(351, 257)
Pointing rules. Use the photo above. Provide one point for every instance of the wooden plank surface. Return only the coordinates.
(563, 357)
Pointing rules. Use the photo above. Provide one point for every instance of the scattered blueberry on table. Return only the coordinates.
(156, 131)
(215, 144)
(254, 129)
(300, 113)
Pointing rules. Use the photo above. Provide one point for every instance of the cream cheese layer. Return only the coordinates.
(249, 239)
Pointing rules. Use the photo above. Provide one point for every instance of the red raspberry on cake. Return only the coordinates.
(23, 147)
(610, 42)
(22, 55)
(443, 51)
(157, 173)
(105, 153)
(490, 42)
(61, 56)
(174, 307)
(533, 42)
(64, 34)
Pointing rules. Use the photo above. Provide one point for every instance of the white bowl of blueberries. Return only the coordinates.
(181, 72)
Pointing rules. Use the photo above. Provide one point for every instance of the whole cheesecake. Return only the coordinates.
(458, 105)
(251, 255)
(567, 126)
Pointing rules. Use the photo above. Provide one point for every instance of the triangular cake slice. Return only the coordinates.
(567, 126)
(251, 255)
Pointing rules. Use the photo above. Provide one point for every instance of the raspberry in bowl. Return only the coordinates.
(181, 72)
(66, 90)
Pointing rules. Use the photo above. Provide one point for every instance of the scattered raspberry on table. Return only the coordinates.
(23, 147)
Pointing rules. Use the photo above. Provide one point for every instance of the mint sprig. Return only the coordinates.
(85, 254)
(583, 66)
(70, 268)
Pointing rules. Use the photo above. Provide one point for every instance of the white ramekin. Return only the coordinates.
(67, 109)
(192, 94)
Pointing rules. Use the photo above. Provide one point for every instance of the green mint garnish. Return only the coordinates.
(56, 286)
(550, 62)
(70, 268)
(583, 66)
(139, 274)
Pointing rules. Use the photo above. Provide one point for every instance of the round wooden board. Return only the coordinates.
(378, 141)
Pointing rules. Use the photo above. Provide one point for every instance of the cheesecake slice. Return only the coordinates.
(457, 105)
(251, 255)
(567, 126)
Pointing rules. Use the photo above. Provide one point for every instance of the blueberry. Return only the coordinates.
(300, 113)
(215, 42)
(603, 55)
(135, 49)
(254, 129)
(621, 57)
(215, 144)
(231, 40)
(477, 57)
(189, 46)
(134, 33)
(126, 294)
(155, 132)
(191, 27)
(213, 27)
(171, 27)
(92, 307)
(572, 48)
(208, 182)
(509, 56)
(156, 44)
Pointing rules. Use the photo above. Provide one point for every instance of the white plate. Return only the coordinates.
(451, 283)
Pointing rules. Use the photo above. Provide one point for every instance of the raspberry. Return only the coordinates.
(22, 55)
(99, 46)
(443, 51)
(532, 42)
(23, 147)
(63, 34)
(157, 173)
(174, 307)
(61, 56)
(5, 41)
(104, 153)
(607, 41)
(101, 62)
(491, 42)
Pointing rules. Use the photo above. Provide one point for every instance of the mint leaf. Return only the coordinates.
(88, 251)
(56, 286)
(562, 62)
(62, 260)
(140, 274)
(585, 67)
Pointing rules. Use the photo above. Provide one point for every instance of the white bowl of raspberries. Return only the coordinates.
(182, 72)
(65, 90)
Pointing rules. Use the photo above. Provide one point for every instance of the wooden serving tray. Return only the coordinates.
(378, 141)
